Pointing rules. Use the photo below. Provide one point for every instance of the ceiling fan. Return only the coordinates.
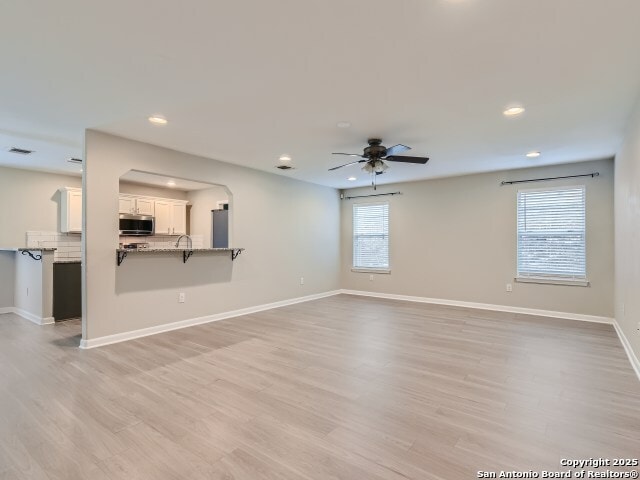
(374, 155)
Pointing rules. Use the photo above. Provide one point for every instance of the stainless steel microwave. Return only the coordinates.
(136, 224)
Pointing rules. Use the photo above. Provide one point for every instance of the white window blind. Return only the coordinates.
(551, 233)
(371, 235)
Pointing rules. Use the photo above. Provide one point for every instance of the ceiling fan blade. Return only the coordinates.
(346, 164)
(349, 154)
(397, 149)
(405, 159)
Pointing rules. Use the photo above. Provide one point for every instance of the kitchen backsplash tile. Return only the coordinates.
(67, 246)
(166, 241)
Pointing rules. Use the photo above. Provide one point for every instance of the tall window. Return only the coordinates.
(371, 235)
(551, 233)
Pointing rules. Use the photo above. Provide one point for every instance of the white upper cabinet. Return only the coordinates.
(70, 210)
(179, 218)
(126, 204)
(144, 206)
(170, 217)
(136, 205)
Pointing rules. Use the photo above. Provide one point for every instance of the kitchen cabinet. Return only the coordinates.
(70, 210)
(170, 217)
(136, 205)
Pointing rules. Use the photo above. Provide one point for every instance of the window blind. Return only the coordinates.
(371, 235)
(551, 233)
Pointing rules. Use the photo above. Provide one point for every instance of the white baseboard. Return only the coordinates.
(31, 317)
(635, 363)
(485, 306)
(6, 310)
(144, 332)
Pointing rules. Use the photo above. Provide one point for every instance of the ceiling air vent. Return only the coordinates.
(284, 167)
(21, 151)
(74, 160)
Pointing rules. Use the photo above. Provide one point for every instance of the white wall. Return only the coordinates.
(33, 295)
(289, 229)
(627, 216)
(455, 239)
(7, 268)
(31, 201)
(202, 202)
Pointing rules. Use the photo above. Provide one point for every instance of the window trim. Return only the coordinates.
(555, 280)
(550, 279)
(379, 270)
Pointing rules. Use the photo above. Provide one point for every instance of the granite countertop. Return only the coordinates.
(153, 250)
(27, 249)
(67, 261)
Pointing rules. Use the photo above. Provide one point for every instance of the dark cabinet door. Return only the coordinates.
(67, 291)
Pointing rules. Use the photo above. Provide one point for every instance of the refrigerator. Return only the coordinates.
(220, 228)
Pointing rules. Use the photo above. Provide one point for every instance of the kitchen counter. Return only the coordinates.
(26, 249)
(153, 250)
(121, 253)
(67, 261)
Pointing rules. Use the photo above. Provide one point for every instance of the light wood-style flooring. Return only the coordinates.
(340, 388)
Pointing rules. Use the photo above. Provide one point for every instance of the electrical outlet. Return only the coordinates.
(371, 278)
(181, 297)
(509, 287)
(301, 280)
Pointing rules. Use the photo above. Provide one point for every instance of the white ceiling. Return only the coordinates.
(245, 82)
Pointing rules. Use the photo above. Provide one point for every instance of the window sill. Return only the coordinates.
(371, 270)
(554, 281)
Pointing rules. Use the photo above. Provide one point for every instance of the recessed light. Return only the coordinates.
(533, 155)
(343, 124)
(513, 111)
(158, 120)
(285, 158)
(352, 179)
(171, 183)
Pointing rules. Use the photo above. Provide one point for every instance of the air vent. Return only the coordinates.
(74, 160)
(284, 167)
(21, 151)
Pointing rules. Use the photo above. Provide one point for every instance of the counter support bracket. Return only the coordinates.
(121, 256)
(186, 254)
(34, 256)
(235, 252)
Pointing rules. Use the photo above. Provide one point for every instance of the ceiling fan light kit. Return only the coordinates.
(374, 155)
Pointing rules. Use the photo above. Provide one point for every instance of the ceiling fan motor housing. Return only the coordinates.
(375, 149)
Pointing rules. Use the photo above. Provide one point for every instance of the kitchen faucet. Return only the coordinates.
(189, 241)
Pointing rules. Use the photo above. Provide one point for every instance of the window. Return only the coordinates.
(371, 236)
(551, 235)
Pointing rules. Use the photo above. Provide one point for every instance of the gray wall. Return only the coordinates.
(627, 214)
(289, 229)
(31, 201)
(455, 239)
